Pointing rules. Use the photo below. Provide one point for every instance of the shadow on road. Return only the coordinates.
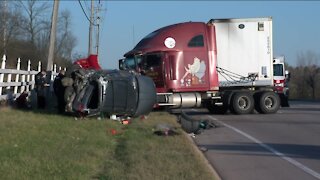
(289, 150)
(302, 109)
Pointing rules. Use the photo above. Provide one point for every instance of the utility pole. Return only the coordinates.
(98, 34)
(98, 28)
(53, 34)
(90, 30)
(5, 27)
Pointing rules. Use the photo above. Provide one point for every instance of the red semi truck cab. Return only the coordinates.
(181, 59)
(178, 60)
(192, 63)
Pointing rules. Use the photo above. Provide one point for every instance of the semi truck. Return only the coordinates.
(224, 64)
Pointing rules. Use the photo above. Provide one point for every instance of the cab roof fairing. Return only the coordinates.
(155, 41)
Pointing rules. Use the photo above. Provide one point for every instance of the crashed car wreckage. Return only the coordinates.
(92, 92)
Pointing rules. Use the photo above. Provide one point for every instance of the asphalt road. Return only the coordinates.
(285, 145)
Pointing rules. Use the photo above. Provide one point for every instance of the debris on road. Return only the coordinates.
(165, 130)
(195, 126)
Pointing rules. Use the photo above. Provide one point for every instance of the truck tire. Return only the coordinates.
(267, 102)
(242, 103)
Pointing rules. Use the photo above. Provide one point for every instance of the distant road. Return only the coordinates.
(285, 145)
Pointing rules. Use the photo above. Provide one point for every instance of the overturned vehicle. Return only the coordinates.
(109, 92)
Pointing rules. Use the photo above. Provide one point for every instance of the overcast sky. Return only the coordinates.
(296, 24)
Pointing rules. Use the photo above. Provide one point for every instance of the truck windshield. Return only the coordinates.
(151, 60)
(278, 69)
(132, 61)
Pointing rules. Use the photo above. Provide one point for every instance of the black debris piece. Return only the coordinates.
(165, 130)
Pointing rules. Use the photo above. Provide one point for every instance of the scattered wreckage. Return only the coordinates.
(94, 92)
(193, 125)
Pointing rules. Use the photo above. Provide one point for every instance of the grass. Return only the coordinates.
(36, 145)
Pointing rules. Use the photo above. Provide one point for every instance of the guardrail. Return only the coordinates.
(15, 81)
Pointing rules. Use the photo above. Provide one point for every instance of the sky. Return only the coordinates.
(296, 24)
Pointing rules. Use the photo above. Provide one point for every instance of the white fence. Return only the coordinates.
(15, 81)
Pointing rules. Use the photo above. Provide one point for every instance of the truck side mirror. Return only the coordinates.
(287, 75)
(122, 65)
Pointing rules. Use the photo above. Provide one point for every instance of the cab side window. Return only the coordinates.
(196, 41)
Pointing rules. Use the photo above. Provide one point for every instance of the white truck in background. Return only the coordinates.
(281, 78)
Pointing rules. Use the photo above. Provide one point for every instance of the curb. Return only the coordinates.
(202, 156)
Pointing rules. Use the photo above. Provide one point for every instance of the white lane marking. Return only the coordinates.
(271, 149)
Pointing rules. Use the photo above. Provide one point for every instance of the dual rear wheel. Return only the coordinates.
(267, 102)
(244, 102)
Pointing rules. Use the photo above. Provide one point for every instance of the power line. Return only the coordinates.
(86, 14)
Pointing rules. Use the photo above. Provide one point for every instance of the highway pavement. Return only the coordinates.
(285, 145)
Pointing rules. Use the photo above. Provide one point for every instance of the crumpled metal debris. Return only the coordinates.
(164, 129)
(194, 126)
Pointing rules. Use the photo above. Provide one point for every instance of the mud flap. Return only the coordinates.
(284, 100)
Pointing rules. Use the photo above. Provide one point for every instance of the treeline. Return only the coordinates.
(25, 33)
(305, 77)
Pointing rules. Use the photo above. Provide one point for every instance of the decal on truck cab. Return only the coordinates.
(194, 73)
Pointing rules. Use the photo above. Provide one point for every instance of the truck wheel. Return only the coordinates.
(268, 102)
(242, 103)
(214, 109)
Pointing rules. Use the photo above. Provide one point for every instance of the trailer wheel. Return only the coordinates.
(268, 102)
(242, 103)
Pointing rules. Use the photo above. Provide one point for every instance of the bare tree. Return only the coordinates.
(3, 21)
(65, 39)
(309, 71)
(27, 26)
(311, 75)
(36, 19)
(10, 18)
